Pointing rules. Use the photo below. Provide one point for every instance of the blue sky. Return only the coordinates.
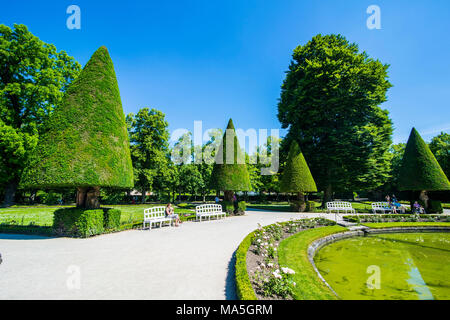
(211, 60)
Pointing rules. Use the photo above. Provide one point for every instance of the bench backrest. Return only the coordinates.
(154, 212)
(208, 208)
(380, 205)
(338, 204)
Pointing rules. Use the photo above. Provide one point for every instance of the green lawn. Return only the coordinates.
(43, 215)
(292, 253)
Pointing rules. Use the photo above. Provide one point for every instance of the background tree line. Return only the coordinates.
(329, 103)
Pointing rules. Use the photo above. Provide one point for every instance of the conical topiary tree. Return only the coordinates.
(230, 173)
(296, 176)
(86, 142)
(420, 170)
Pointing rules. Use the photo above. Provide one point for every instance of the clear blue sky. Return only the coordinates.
(211, 60)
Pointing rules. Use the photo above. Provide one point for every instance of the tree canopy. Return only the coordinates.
(330, 104)
(33, 79)
(420, 169)
(296, 176)
(86, 142)
(228, 176)
(440, 146)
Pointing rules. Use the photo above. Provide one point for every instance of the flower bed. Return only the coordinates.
(267, 278)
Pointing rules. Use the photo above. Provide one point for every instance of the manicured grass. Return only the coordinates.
(292, 253)
(382, 225)
(43, 215)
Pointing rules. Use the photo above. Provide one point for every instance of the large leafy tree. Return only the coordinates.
(86, 143)
(330, 104)
(33, 79)
(397, 151)
(440, 146)
(149, 138)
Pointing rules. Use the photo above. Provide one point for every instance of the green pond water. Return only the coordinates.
(401, 266)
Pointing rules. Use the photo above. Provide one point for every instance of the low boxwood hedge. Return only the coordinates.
(244, 287)
(395, 217)
(77, 222)
(111, 218)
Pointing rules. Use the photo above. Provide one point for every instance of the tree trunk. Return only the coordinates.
(87, 197)
(327, 195)
(228, 195)
(10, 192)
(143, 197)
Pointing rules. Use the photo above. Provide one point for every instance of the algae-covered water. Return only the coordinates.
(401, 266)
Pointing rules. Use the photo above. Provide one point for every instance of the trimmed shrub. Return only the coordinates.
(244, 287)
(420, 169)
(242, 206)
(87, 142)
(228, 207)
(76, 222)
(310, 206)
(435, 206)
(296, 176)
(111, 219)
(230, 176)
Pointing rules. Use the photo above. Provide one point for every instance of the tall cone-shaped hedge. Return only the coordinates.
(419, 169)
(86, 143)
(296, 176)
(230, 171)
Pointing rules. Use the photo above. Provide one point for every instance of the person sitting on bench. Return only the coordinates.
(171, 214)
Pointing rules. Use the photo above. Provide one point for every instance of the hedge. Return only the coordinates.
(406, 224)
(76, 222)
(244, 288)
(381, 217)
(111, 218)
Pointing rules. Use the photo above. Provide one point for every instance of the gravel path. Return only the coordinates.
(194, 261)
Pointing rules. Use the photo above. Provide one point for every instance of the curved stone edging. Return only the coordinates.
(320, 243)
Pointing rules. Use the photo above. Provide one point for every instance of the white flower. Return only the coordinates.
(287, 270)
(294, 284)
(270, 265)
(277, 275)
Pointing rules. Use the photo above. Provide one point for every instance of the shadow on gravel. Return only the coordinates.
(14, 236)
(230, 282)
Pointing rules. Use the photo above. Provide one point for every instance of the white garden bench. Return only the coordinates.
(206, 211)
(382, 207)
(156, 215)
(340, 206)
